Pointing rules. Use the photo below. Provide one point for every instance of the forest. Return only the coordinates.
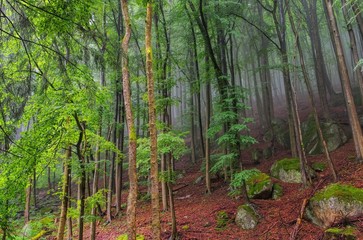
(181, 119)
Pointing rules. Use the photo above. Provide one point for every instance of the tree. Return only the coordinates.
(152, 127)
(347, 90)
(131, 200)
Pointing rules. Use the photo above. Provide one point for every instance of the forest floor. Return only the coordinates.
(196, 211)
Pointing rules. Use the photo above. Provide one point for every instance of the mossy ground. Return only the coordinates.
(343, 192)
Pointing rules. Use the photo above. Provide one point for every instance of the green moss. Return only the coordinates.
(347, 231)
(345, 193)
(248, 209)
(286, 164)
(257, 183)
(124, 237)
(319, 166)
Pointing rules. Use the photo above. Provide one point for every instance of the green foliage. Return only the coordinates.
(168, 143)
(222, 219)
(243, 176)
(230, 129)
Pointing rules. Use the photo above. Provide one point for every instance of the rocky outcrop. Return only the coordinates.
(246, 217)
(335, 204)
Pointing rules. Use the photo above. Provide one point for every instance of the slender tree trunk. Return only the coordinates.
(64, 206)
(347, 90)
(207, 122)
(35, 188)
(27, 203)
(154, 169)
(132, 197)
(174, 233)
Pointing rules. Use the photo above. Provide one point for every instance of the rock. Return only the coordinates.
(277, 191)
(280, 128)
(246, 217)
(333, 133)
(347, 233)
(335, 204)
(199, 180)
(288, 170)
(259, 186)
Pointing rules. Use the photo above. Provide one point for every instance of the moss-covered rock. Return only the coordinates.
(246, 217)
(347, 233)
(288, 170)
(277, 191)
(259, 186)
(335, 204)
(333, 133)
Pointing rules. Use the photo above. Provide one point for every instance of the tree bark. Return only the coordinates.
(64, 206)
(132, 197)
(154, 168)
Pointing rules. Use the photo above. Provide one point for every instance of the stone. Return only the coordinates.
(259, 186)
(246, 217)
(335, 204)
(288, 170)
(333, 133)
(318, 166)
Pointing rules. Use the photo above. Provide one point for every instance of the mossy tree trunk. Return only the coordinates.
(132, 197)
(154, 168)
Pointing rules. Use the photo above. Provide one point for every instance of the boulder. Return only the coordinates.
(246, 217)
(335, 204)
(280, 128)
(259, 186)
(333, 133)
(288, 170)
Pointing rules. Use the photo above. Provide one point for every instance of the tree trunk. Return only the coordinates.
(154, 169)
(132, 197)
(27, 203)
(64, 206)
(351, 109)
